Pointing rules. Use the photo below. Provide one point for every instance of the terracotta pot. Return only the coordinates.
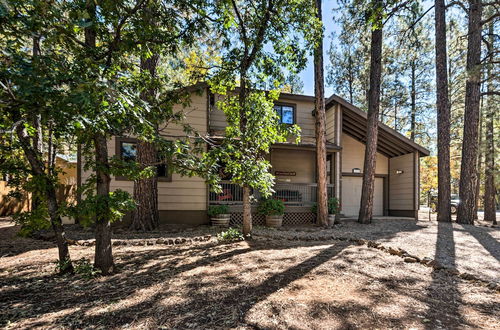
(331, 220)
(221, 220)
(274, 221)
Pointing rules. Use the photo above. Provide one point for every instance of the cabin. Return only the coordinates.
(184, 200)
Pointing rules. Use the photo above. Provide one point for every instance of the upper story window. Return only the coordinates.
(286, 113)
(127, 148)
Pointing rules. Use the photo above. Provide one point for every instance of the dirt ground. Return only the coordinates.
(300, 278)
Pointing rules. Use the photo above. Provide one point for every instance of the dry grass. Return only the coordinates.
(264, 283)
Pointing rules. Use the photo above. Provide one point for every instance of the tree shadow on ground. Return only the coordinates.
(444, 286)
(484, 238)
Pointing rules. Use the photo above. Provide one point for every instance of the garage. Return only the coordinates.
(351, 196)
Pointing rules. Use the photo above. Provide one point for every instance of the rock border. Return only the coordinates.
(146, 242)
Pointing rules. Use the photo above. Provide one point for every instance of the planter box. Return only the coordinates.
(331, 220)
(221, 220)
(274, 221)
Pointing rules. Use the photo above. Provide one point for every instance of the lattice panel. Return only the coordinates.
(289, 219)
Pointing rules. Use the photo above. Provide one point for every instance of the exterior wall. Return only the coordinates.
(302, 162)
(182, 193)
(353, 155)
(351, 196)
(402, 190)
(303, 117)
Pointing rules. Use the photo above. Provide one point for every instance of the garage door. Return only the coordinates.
(351, 196)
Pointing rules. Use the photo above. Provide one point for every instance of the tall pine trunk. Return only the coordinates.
(247, 212)
(413, 115)
(103, 258)
(247, 207)
(145, 215)
(366, 205)
(443, 115)
(489, 166)
(320, 128)
(468, 171)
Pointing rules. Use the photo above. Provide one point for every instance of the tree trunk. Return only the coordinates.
(247, 212)
(319, 107)
(145, 215)
(468, 171)
(413, 102)
(36, 163)
(103, 259)
(366, 205)
(443, 115)
(489, 166)
(479, 162)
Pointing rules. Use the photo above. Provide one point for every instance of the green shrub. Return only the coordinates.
(232, 234)
(85, 268)
(215, 210)
(333, 206)
(271, 207)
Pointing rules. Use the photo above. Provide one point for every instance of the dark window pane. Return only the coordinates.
(162, 170)
(128, 151)
(287, 115)
(278, 111)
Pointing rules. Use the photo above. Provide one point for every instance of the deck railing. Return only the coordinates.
(292, 194)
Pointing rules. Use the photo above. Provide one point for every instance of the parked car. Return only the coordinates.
(454, 203)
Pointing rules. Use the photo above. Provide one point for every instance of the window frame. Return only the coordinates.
(118, 149)
(291, 105)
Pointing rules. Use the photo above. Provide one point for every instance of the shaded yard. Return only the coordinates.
(298, 278)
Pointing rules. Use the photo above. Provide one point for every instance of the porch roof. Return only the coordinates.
(390, 142)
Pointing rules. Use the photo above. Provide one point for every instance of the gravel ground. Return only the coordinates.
(265, 283)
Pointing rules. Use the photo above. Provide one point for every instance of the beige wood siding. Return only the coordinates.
(353, 155)
(351, 196)
(331, 125)
(401, 186)
(303, 115)
(182, 193)
(302, 162)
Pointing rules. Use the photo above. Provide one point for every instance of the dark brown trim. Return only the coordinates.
(361, 175)
(118, 141)
(292, 105)
(404, 213)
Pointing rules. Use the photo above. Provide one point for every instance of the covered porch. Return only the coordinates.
(295, 172)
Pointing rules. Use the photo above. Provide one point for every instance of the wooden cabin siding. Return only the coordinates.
(302, 162)
(303, 117)
(402, 188)
(353, 155)
(182, 193)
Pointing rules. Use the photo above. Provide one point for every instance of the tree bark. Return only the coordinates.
(468, 171)
(103, 258)
(37, 166)
(366, 205)
(443, 115)
(320, 128)
(247, 212)
(413, 102)
(489, 167)
(146, 215)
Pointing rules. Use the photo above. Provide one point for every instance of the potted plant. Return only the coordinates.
(273, 210)
(333, 210)
(219, 215)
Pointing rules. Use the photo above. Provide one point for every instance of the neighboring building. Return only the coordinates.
(185, 200)
(67, 178)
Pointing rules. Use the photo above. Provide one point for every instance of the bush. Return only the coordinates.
(215, 210)
(85, 268)
(232, 234)
(333, 206)
(271, 207)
